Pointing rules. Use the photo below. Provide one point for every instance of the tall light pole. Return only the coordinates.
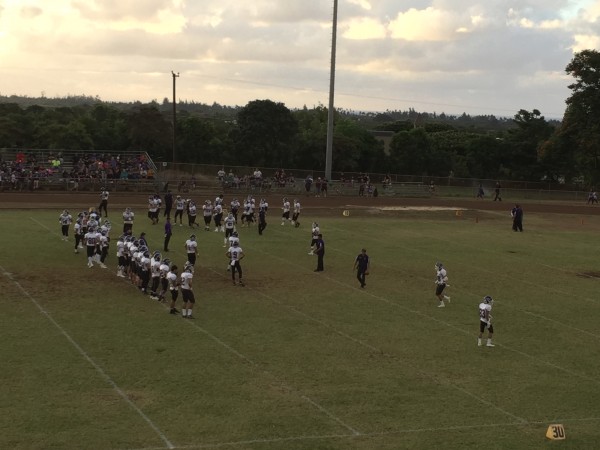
(330, 112)
(175, 76)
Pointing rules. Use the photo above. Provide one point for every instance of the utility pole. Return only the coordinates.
(175, 76)
(330, 112)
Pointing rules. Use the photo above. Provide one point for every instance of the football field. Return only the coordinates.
(304, 360)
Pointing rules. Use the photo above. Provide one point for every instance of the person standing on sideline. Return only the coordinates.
(168, 233)
(517, 215)
(235, 254)
(480, 191)
(320, 252)
(103, 202)
(262, 220)
(362, 266)
(485, 320)
(497, 192)
(168, 204)
(440, 280)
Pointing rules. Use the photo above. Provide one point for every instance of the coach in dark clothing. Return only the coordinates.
(517, 214)
(168, 204)
(362, 265)
(320, 252)
(168, 233)
(262, 220)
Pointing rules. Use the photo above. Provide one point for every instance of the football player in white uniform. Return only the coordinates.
(285, 216)
(103, 202)
(65, 220)
(121, 257)
(91, 240)
(218, 217)
(296, 213)
(78, 235)
(145, 269)
(155, 275)
(229, 228)
(192, 212)
(179, 208)
(104, 244)
(165, 267)
(187, 294)
(235, 254)
(207, 211)
(440, 280)
(128, 217)
(191, 248)
(315, 231)
(485, 320)
(173, 288)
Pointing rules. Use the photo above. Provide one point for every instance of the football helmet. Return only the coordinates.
(157, 256)
(146, 254)
(167, 262)
(488, 300)
(192, 237)
(188, 267)
(235, 243)
(234, 234)
(230, 216)
(438, 265)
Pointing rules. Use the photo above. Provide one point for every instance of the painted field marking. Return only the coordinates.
(83, 353)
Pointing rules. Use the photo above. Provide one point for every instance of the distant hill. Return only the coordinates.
(396, 120)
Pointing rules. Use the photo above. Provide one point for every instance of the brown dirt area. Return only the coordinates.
(75, 200)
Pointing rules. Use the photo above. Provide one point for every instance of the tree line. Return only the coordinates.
(268, 134)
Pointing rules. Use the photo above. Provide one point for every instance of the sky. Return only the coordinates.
(491, 57)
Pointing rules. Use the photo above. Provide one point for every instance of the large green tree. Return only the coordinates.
(267, 133)
(574, 148)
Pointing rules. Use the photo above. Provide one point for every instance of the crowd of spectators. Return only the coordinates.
(256, 179)
(26, 171)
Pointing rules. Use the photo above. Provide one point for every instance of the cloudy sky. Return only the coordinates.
(453, 56)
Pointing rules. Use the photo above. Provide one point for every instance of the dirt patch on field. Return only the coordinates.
(325, 205)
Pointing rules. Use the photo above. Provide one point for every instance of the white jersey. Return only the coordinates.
(65, 219)
(128, 217)
(192, 210)
(103, 241)
(297, 207)
(180, 204)
(263, 205)
(172, 278)
(152, 205)
(91, 238)
(77, 228)
(229, 223)
(155, 268)
(233, 239)
(218, 209)
(120, 248)
(235, 205)
(191, 246)
(163, 270)
(104, 195)
(286, 207)
(218, 201)
(235, 253)
(315, 232)
(145, 263)
(207, 210)
(484, 313)
(186, 280)
(441, 277)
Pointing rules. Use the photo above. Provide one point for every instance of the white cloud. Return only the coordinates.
(468, 55)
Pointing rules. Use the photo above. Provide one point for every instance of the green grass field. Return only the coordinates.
(298, 360)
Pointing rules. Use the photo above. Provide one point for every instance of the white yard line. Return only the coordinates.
(504, 302)
(374, 434)
(87, 357)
